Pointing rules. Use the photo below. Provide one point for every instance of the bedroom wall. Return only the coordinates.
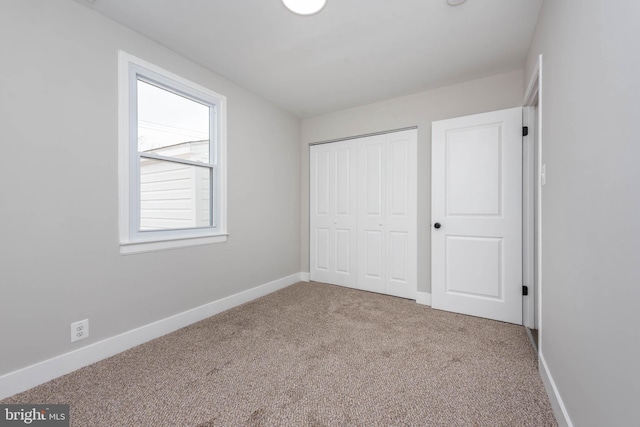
(591, 206)
(420, 109)
(59, 256)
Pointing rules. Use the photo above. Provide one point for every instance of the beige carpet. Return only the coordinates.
(315, 355)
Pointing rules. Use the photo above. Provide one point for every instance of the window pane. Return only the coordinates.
(172, 125)
(174, 195)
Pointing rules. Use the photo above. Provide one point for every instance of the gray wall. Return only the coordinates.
(591, 206)
(59, 255)
(420, 109)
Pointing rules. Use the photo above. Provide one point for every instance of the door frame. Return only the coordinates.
(532, 217)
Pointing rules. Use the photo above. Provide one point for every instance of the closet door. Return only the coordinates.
(333, 213)
(387, 214)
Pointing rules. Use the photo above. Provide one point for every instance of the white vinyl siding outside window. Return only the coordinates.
(172, 160)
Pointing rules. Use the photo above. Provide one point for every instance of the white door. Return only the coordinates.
(387, 214)
(476, 215)
(333, 210)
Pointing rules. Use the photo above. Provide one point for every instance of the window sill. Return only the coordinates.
(128, 248)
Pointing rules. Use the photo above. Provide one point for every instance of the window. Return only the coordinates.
(172, 163)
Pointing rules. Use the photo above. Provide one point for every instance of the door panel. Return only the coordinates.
(398, 252)
(322, 252)
(472, 162)
(372, 274)
(333, 213)
(344, 202)
(321, 163)
(477, 199)
(401, 218)
(474, 267)
(372, 169)
(343, 250)
(387, 216)
(371, 251)
(398, 174)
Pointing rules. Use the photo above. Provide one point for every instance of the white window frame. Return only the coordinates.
(132, 240)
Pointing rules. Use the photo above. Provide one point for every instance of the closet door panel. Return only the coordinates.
(401, 206)
(322, 249)
(333, 213)
(371, 214)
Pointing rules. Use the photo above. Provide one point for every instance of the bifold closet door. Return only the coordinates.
(333, 213)
(387, 214)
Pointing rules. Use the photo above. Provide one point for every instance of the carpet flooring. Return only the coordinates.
(315, 355)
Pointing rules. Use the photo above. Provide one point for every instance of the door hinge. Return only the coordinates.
(525, 290)
(525, 130)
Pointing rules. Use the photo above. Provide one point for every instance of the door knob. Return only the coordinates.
(437, 225)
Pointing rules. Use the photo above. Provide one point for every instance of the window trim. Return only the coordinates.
(131, 239)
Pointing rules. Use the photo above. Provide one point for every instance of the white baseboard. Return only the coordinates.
(39, 373)
(559, 410)
(423, 298)
(305, 276)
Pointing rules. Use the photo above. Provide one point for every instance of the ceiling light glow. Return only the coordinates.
(305, 7)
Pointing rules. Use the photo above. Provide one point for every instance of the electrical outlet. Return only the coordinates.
(79, 330)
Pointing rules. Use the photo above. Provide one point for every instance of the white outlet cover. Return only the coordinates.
(79, 330)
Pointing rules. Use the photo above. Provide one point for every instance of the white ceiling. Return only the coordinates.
(352, 53)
